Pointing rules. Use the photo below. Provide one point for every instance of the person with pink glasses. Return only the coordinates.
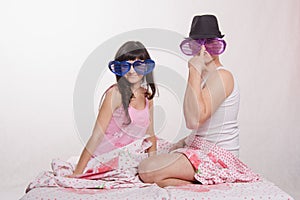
(209, 155)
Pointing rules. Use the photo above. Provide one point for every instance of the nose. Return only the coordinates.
(131, 69)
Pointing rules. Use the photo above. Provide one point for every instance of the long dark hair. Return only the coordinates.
(132, 50)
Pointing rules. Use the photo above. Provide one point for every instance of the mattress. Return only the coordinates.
(114, 176)
(257, 190)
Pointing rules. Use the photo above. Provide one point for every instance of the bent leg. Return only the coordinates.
(167, 169)
(173, 182)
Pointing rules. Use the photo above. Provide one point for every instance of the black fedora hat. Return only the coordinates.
(205, 26)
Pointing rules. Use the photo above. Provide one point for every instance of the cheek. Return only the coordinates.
(140, 76)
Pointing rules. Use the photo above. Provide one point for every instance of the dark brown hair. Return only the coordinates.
(132, 50)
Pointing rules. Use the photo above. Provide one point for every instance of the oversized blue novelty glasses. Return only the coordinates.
(141, 67)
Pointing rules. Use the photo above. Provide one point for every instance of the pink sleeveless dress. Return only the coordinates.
(118, 134)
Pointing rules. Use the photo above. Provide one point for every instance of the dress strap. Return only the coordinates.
(204, 82)
(207, 76)
(220, 67)
(103, 95)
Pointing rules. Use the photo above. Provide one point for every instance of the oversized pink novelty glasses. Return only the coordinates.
(214, 46)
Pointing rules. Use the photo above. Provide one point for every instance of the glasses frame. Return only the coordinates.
(127, 66)
(197, 46)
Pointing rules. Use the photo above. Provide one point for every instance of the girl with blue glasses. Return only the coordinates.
(125, 114)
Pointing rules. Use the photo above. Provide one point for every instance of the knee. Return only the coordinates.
(146, 171)
(144, 166)
(146, 177)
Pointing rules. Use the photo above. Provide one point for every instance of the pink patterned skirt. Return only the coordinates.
(214, 164)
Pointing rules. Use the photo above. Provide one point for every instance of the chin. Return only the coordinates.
(134, 79)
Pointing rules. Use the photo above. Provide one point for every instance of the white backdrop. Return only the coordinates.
(43, 45)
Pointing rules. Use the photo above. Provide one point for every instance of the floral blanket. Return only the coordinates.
(115, 169)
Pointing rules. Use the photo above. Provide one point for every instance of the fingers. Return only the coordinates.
(72, 176)
(202, 51)
(207, 58)
(201, 60)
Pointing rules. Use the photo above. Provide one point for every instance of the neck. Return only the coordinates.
(217, 61)
(135, 87)
(212, 67)
(216, 64)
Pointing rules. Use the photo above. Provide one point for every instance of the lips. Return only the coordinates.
(132, 75)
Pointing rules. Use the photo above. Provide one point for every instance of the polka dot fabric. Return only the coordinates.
(261, 190)
(114, 169)
(214, 164)
(120, 181)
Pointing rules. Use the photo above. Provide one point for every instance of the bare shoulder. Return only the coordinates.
(228, 80)
(113, 97)
(151, 102)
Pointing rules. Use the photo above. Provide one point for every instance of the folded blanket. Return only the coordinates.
(115, 169)
(118, 168)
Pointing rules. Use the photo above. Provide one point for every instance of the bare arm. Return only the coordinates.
(201, 103)
(105, 113)
(150, 131)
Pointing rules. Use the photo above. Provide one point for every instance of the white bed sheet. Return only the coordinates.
(257, 190)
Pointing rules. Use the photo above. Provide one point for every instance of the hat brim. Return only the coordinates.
(205, 36)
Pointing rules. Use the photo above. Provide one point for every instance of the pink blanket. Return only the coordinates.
(115, 169)
(118, 168)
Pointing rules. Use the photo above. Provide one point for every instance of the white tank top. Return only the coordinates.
(222, 127)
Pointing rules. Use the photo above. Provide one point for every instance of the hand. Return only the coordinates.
(74, 175)
(201, 60)
(151, 153)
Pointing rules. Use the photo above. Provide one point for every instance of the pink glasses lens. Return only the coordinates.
(213, 46)
(190, 47)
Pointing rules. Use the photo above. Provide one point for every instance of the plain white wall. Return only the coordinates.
(44, 44)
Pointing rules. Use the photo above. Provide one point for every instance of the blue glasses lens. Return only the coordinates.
(119, 68)
(144, 67)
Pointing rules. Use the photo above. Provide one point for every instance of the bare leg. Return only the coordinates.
(172, 182)
(167, 169)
